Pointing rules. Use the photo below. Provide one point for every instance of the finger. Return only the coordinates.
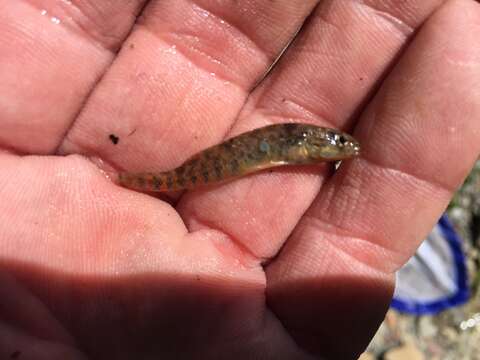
(62, 213)
(181, 79)
(420, 137)
(51, 55)
(325, 76)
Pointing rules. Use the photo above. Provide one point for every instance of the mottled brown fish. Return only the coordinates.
(270, 146)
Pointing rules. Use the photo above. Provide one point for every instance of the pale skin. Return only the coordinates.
(296, 263)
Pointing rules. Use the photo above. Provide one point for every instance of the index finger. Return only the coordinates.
(44, 85)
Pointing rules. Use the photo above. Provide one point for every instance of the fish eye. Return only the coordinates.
(342, 140)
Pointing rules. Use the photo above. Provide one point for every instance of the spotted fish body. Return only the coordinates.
(270, 146)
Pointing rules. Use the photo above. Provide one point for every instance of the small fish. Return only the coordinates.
(267, 147)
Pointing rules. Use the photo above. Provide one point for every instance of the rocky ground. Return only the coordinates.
(452, 334)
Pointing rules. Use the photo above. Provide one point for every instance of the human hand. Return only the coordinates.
(296, 263)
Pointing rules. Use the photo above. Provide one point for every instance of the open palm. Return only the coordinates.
(294, 263)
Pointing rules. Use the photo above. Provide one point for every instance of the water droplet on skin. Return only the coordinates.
(172, 49)
(200, 11)
(53, 19)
